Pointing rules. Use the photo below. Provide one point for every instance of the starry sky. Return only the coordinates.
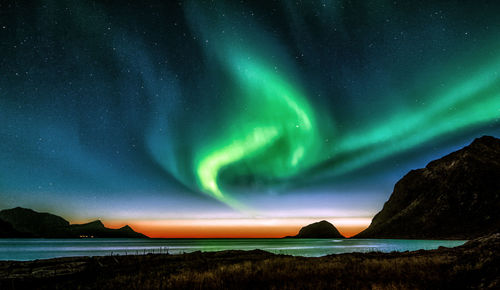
(236, 118)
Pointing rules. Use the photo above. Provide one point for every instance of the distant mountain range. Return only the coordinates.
(318, 230)
(455, 197)
(26, 223)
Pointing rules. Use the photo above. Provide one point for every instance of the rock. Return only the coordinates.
(319, 230)
(455, 197)
(8, 231)
(30, 222)
(26, 223)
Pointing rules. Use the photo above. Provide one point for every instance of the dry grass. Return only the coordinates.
(283, 272)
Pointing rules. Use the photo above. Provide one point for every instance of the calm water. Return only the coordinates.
(30, 249)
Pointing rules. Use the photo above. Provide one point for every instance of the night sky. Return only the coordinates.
(236, 118)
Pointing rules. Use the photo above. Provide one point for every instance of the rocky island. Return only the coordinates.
(318, 230)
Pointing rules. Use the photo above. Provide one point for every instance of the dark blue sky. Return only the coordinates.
(216, 109)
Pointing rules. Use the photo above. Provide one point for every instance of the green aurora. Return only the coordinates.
(276, 134)
(166, 109)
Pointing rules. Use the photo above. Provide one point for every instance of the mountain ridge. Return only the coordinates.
(21, 222)
(453, 197)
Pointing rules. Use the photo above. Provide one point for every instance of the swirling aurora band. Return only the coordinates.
(280, 114)
(281, 135)
(474, 102)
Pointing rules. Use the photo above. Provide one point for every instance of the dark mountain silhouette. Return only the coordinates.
(455, 197)
(97, 229)
(318, 230)
(96, 225)
(26, 223)
(8, 231)
(34, 223)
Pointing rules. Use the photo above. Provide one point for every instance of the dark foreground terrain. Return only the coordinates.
(473, 265)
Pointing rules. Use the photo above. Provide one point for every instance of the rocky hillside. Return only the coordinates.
(26, 223)
(455, 197)
(8, 231)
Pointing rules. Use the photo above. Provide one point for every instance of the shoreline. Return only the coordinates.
(30, 250)
(472, 265)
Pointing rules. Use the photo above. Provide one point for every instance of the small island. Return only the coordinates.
(318, 230)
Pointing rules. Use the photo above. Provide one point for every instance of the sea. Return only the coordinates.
(32, 249)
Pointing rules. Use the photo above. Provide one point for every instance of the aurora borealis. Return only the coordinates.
(189, 113)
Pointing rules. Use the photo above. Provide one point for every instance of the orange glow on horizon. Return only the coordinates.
(235, 228)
